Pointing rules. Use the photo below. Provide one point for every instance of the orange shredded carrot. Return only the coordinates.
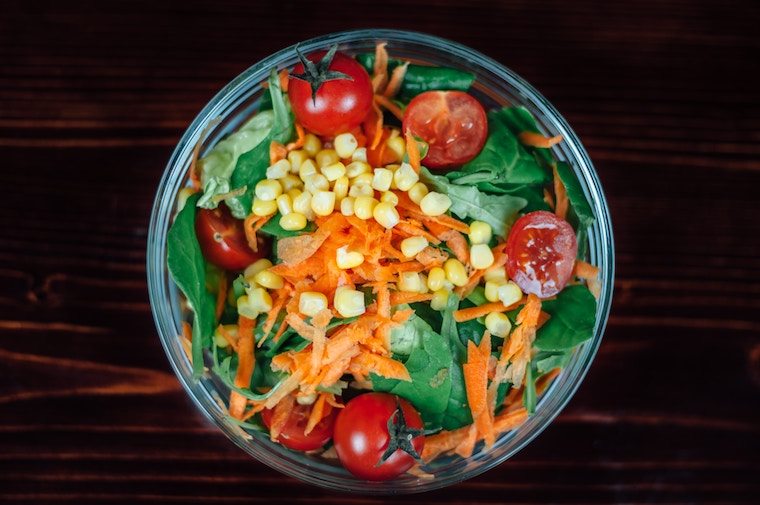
(284, 80)
(277, 152)
(467, 314)
(187, 331)
(330, 399)
(281, 297)
(246, 363)
(402, 297)
(383, 300)
(562, 203)
(431, 257)
(380, 70)
(475, 372)
(397, 78)
(533, 139)
(413, 151)
(401, 316)
(542, 318)
(390, 106)
(304, 329)
(229, 338)
(381, 365)
(500, 258)
(287, 386)
(585, 270)
(221, 296)
(280, 416)
(251, 226)
(549, 199)
(300, 139)
(373, 127)
(467, 446)
(509, 420)
(443, 442)
(316, 414)
(410, 230)
(280, 330)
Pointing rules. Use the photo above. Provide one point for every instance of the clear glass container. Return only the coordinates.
(495, 85)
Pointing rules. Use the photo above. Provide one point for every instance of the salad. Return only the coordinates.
(380, 270)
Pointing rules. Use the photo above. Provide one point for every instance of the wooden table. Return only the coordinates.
(93, 98)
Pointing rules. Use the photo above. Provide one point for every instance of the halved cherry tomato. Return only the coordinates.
(222, 240)
(292, 434)
(453, 123)
(541, 250)
(362, 437)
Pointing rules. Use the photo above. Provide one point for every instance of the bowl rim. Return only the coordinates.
(158, 280)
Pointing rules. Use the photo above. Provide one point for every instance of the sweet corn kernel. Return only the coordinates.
(316, 182)
(323, 203)
(340, 188)
(496, 274)
(311, 303)
(293, 193)
(357, 168)
(435, 204)
(293, 222)
(405, 177)
(360, 154)
(334, 171)
(278, 170)
(306, 399)
(436, 278)
(481, 256)
(257, 266)
(393, 167)
(480, 232)
(455, 272)
(244, 308)
(312, 145)
(347, 206)
(382, 179)
(326, 157)
(229, 329)
(363, 206)
(290, 182)
(418, 192)
(386, 215)
(397, 145)
(268, 190)
(409, 282)
(509, 293)
(284, 204)
(411, 246)
(307, 169)
(498, 324)
(259, 300)
(390, 197)
(363, 179)
(296, 157)
(492, 289)
(302, 205)
(269, 280)
(346, 259)
(345, 144)
(423, 281)
(439, 300)
(349, 302)
(357, 190)
(263, 207)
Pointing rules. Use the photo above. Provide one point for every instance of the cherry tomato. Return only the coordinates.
(362, 437)
(340, 103)
(541, 250)
(453, 123)
(222, 239)
(292, 435)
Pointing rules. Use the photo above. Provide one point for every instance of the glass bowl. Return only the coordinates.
(495, 85)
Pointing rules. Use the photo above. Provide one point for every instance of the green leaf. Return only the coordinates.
(499, 211)
(533, 194)
(573, 315)
(407, 337)
(457, 410)
(581, 214)
(518, 120)
(273, 228)
(188, 270)
(547, 361)
(478, 296)
(529, 395)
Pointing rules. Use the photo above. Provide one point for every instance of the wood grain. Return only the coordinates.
(94, 96)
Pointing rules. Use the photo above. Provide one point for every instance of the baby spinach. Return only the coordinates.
(273, 228)
(529, 394)
(546, 361)
(407, 337)
(533, 195)
(581, 214)
(188, 270)
(518, 120)
(573, 314)
(457, 412)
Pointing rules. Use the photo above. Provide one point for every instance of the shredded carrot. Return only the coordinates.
(221, 296)
(284, 80)
(585, 270)
(316, 414)
(280, 416)
(383, 300)
(562, 203)
(229, 338)
(280, 330)
(410, 230)
(533, 139)
(548, 198)
(475, 372)
(300, 139)
(286, 387)
(281, 297)
(467, 314)
(304, 329)
(390, 106)
(380, 70)
(413, 151)
(402, 297)
(251, 226)
(443, 442)
(397, 78)
(373, 127)
(500, 258)
(246, 363)
(381, 365)
(509, 420)
(277, 152)
(467, 445)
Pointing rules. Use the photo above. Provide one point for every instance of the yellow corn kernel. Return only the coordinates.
(345, 144)
(498, 324)
(363, 179)
(302, 205)
(423, 284)
(257, 266)
(259, 300)
(397, 145)
(455, 272)
(269, 280)
(268, 190)
(436, 278)
(480, 232)
(357, 167)
(347, 206)
(496, 274)
(349, 302)
(326, 157)
(360, 154)
(390, 197)
(492, 289)
(263, 207)
(412, 246)
(245, 309)
(307, 169)
(323, 203)
(440, 299)
(386, 215)
(311, 303)
(293, 222)
(435, 204)
(340, 188)
(334, 171)
(312, 145)
(363, 206)
(293, 193)
(393, 167)
(229, 329)
(409, 282)
(418, 192)
(290, 182)
(279, 170)
(481, 256)
(510, 293)
(284, 204)
(346, 259)
(382, 178)
(405, 177)
(296, 157)
(357, 190)
(316, 182)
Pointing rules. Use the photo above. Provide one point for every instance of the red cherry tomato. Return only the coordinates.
(362, 438)
(453, 123)
(222, 239)
(292, 435)
(541, 250)
(339, 104)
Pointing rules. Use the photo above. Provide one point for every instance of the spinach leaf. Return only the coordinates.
(457, 410)
(518, 120)
(581, 214)
(533, 195)
(188, 270)
(529, 395)
(547, 361)
(251, 167)
(499, 211)
(430, 315)
(407, 337)
(477, 296)
(573, 314)
(273, 228)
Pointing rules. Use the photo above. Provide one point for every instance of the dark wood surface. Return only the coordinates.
(93, 97)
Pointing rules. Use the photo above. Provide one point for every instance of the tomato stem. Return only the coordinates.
(319, 73)
(401, 436)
